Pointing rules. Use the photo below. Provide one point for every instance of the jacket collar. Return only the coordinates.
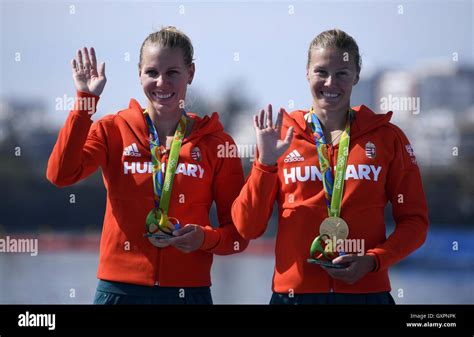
(134, 118)
(365, 120)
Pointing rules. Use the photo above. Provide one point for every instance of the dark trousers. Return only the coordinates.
(333, 298)
(109, 292)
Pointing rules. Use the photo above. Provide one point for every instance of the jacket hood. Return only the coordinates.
(365, 120)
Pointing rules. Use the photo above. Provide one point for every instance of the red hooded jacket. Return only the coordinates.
(381, 167)
(119, 145)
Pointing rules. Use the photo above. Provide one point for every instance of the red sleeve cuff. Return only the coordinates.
(376, 259)
(211, 238)
(86, 103)
(266, 168)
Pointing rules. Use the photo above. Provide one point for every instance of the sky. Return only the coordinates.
(269, 38)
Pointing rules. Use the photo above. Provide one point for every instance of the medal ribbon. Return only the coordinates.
(162, 190)
(333, 188)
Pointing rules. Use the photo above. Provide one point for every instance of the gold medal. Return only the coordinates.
(334, 227)
(160, 226)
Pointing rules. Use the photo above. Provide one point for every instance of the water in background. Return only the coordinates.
(434, 274)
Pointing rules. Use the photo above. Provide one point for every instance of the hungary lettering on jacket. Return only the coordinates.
(193, 170)
(312, 173)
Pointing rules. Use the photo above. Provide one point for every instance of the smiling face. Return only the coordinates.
(331, 74)
(164, 77)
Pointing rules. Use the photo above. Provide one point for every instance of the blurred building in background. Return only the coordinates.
(433, 105)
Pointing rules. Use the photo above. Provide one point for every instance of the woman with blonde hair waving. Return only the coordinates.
(332, 169)
(162, 173)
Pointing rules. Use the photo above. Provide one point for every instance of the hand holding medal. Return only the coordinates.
(332, 228)
(160, 227)
(187, 239)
